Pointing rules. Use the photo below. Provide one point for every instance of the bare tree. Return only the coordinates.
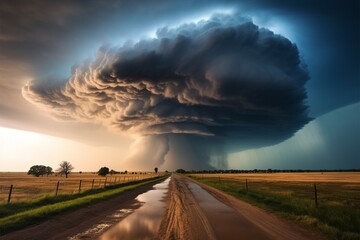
(65, 168)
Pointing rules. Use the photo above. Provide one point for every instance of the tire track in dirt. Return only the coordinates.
(183, 217)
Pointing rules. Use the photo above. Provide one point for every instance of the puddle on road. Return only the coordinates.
(145, 221)
(105, 224)
(206, 200)
(225, 221)
(147, 210)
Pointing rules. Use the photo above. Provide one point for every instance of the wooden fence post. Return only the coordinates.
(10, 192)
(92, 185)
(57, 188)
(315, 193)
(247, 188)
(80, 186)
(105, 182)
(219, 179)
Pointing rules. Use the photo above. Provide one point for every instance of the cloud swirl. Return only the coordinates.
(222, 77)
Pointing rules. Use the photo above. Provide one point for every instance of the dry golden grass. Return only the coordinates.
(27, 187)
(335, 188)
(344, 177)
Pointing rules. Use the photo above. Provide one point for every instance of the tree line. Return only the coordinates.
(266, 171)
(65, 168)
(105, 171)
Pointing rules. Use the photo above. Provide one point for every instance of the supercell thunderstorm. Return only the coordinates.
(194, 93)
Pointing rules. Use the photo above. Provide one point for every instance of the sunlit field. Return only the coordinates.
(312, 177)
(27, 187)
(332, 188)
(337, 213)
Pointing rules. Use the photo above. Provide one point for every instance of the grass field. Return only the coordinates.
(27, 187)
(292, 195)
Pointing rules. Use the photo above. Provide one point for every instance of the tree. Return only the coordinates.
(49, 171)
(65, 168)
(103, 171)
(112, 171)
(180, 171)
(37, 170)
(156, 170)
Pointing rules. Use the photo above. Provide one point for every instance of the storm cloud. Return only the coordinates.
(222, 84)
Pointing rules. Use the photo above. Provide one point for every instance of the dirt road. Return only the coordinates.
(184, 210)
(197, 211)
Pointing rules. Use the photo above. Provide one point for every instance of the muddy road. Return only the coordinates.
(176, 208)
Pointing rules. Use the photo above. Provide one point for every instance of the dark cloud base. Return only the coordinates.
(225, 81)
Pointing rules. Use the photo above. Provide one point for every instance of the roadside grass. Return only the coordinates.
(18, 215)
(338, 220)
(27, 187)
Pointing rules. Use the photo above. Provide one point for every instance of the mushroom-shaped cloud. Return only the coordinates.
(203, 89)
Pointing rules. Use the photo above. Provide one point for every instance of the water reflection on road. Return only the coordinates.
(145, 221)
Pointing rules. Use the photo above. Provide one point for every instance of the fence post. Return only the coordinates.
(57, 188)
(316, 198)
(92, 184)
(80, 186)
(219, 179)
(105, 182)
(10, 191)
(247, 188)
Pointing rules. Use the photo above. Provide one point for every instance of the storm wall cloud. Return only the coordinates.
(224, 84)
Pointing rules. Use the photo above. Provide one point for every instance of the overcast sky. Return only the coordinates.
(45, 42)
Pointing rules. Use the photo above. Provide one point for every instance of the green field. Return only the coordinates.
(292, 195)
